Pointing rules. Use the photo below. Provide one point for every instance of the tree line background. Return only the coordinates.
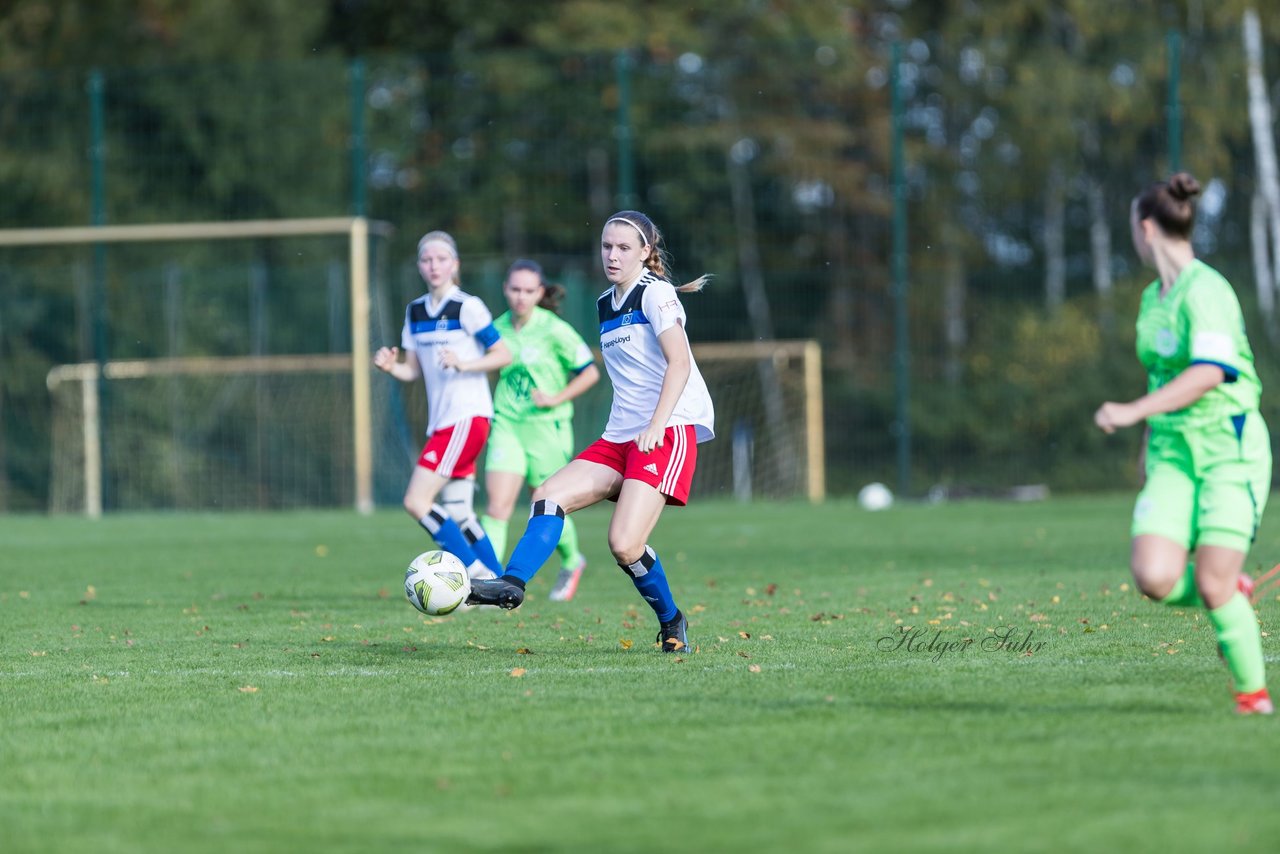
(757, 133)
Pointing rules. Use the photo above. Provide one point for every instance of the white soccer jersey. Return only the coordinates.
(629, 330)
(460, 323)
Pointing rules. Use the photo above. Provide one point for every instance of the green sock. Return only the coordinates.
(567, 548)
(1184, 593)
(496, 531)
(1240, 641)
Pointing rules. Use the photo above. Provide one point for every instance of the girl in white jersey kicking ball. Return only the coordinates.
(449, 341)
(645, 460)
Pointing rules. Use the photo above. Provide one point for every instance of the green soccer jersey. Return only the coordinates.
(545, 354)
(1197, 321)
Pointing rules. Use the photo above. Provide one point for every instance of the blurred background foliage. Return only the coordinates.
(757, 133)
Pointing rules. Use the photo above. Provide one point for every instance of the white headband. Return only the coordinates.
(632, 224)
(445, 243)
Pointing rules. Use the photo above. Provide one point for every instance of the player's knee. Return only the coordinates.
(1152, 579)
(540, 492)
(626, 549)
(1155, 589)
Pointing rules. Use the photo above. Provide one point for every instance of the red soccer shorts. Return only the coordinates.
(452, 451)
(668, 469)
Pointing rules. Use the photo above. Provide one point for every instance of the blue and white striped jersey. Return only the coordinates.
(629, 330)
(460, 323)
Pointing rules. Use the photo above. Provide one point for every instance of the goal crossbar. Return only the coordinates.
(190, 231)
(357, 229)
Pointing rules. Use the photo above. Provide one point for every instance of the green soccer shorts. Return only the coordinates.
(1207, 486)
(533, 449)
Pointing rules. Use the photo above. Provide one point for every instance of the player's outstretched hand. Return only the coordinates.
(386, 357)
(1112, 416)
(651, 438)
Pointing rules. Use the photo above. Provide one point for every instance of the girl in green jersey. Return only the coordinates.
(532, 435)
(1207, 455)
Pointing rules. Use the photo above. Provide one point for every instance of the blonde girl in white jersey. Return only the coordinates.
(448, 341)
(646, 458)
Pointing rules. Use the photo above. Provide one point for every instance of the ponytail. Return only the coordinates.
(658, 260)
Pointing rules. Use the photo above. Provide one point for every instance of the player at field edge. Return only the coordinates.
(646, 458)
(532, 436)
(1206, 457)
(449, 341)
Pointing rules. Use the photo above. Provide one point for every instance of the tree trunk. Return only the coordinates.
(744, 217)
(955, 330)
(840, 317)
(1268, 184)
(598, 194)
(1055, 265)
(4, 464)
(1262, 264)
(1100, 252)
(179, 481)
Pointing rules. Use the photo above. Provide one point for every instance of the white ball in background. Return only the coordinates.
(875, 496)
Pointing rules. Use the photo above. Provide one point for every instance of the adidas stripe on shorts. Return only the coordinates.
(452, 451)
(668, 469)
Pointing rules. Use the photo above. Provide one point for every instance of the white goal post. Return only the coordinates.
(358, 231)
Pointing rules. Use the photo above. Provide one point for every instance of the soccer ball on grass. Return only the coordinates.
(875, 496)
(436, 583)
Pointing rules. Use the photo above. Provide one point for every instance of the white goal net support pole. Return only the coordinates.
(358, 231)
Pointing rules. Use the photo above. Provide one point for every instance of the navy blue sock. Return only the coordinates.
(448, 535)
(651, 581)
(481, 545)
(546, 521)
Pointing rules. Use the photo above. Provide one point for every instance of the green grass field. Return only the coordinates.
(258, 683)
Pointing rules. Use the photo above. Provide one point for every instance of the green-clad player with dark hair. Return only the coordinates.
(532, 435)
(1208, 453)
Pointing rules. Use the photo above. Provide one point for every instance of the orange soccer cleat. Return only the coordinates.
(1245, 585)
(1254, 703)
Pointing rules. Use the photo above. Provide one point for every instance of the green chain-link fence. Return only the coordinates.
(771, 169)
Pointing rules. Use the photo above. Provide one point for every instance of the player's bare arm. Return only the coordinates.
(585, 379)
(400, 364)
(1182, 391)
(497, 357)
